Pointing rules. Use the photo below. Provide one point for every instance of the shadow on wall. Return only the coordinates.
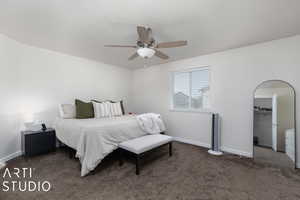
(10, 130)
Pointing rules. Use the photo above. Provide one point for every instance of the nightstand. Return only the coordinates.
(38, 142)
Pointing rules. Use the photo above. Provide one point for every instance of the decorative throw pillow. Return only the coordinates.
(67, 111)
(102, 109)
(121, 104)
(106, 109)
(122, 107)
(97, 109)
(113, 109)
(116, 109)
(84, 110)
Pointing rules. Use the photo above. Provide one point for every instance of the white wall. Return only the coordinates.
(9, 90)
(34, 81)
(234, 76)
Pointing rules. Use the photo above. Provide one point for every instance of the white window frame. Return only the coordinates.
(172, 91)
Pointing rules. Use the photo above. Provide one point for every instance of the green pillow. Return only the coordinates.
(84, 110)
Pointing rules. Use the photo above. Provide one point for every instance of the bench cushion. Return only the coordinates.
(145, 143)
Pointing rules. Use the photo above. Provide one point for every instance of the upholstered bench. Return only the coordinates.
(139, 146)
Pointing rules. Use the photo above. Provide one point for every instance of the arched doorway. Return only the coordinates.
(274, 124)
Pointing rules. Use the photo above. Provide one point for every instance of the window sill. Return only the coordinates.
(208, 111)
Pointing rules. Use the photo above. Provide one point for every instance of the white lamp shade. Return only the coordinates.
(2, 165)
(28, 117)
(146, 52)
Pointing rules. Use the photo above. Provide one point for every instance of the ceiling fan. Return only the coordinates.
(146, 46)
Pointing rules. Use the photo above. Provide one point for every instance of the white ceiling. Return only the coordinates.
(82, 27)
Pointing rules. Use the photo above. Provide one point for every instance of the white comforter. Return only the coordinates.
(95, 138)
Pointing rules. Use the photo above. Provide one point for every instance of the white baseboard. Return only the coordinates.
(193, 142)
(11, 156)
(206, 145)
(236, 152)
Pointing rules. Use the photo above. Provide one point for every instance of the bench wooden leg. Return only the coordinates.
(121, 157)
(92, 173)
(71, 153)
(170, 149)
(137, 164)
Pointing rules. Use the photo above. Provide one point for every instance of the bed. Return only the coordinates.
(95, 138)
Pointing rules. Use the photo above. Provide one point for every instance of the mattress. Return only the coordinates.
(94, 138)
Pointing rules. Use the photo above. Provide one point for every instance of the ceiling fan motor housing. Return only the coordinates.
(142, 44)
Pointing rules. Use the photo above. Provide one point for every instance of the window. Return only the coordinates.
(191, 89)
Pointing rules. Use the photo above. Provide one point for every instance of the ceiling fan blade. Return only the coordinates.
(133, 56)
(143, 34)
(171, 44)
(126, 46)
(150, 36)
(161, 55)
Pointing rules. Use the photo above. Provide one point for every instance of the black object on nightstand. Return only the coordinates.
(38, 142)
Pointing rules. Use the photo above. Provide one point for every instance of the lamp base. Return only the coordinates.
(2, 165)
(215, 153)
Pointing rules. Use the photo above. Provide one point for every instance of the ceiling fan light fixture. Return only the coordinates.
(145, 52)
(146, 46)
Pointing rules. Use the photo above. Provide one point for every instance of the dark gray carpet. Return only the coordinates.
(268, 156)
(190, 174)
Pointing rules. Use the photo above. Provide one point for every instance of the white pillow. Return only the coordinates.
(119, 108)
(67, 111)
(102, 109)
(112, 109)
(116, 109)
(107, 109)
(97, 109)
